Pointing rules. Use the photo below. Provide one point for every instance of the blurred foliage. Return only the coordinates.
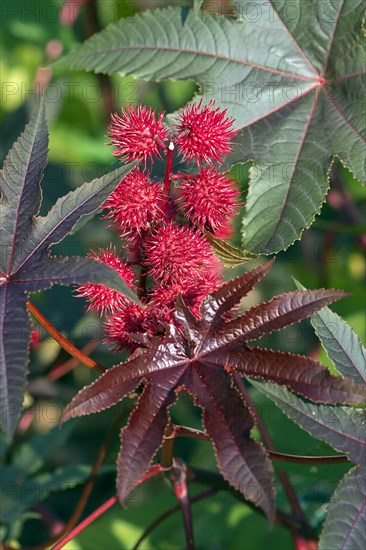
(330, 254)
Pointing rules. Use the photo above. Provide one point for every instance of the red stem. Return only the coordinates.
(184, 431)
(64, 342)
(167, 176)
(168, 447)
(168, 169)
(185, 507)
(61, 370)
(87, 521)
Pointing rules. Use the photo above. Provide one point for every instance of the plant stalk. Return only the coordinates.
(184, 431)
(64, 342)
(168, 447)
(86, 522)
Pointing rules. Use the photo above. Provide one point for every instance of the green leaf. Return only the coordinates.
(37, 488)
(228, 255)
(33, 453)
(341, 343)
(345, 526)
(294, 82)
(344, 428)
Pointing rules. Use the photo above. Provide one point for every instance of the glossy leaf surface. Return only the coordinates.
(200, 356)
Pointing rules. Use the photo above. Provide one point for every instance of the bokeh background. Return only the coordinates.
(55, 462)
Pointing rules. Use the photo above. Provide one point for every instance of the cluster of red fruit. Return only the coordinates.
(163, 223)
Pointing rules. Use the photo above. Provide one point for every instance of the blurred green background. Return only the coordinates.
(330, 254)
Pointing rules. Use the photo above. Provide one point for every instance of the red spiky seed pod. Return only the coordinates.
(175, 254)
(165, 296)
(133, 319)
(210, 199)
(204, 132)
(101, 298)
(134, 204)
(129, 319)
(137, 134)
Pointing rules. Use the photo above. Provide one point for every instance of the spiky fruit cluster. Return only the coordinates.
(209, 199)
(134, 204)
(163, 223)
(101, 298)
(204, 133)
(137, 134)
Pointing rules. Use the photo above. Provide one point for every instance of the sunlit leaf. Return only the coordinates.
(341, 343)
(229, 255)
(294, 80)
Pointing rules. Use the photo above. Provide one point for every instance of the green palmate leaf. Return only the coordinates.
(343, 428)
(294, 80)
(341, 343)
(229, 255)
(345, 526)
(25, 261)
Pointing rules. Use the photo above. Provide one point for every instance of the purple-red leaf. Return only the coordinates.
(143, 435)
(199, 354)
(242, 461)
(229, 294)
(108, 389)
(117, 382)
(341, 427)
(14, 348)
(298, 373)
(281, 311)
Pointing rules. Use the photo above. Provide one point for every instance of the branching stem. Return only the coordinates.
(184, 431)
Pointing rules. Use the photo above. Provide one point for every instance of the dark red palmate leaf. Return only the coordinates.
(117, 382)
(201, 355)
(278, 313)
(229, 294)
(300, 374)
(143, 435)
(242, 461)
